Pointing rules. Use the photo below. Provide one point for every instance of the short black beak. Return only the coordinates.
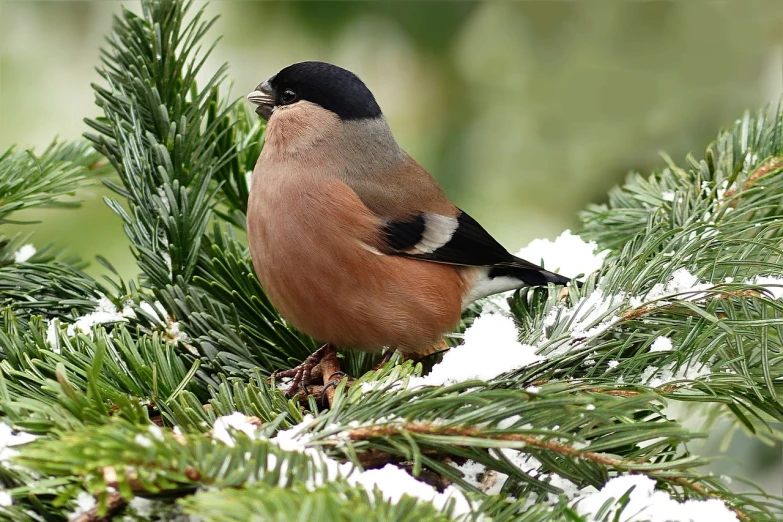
(264, 97)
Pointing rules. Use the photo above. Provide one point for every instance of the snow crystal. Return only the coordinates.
(84, 503)
(511, 421)
(293, 439)
(172, 332)
(175, 334)
(772, 284)
(164, 198)
(613, 363)
(153, 310)
(24, 253)
(531, 466)
(105, 313)
(661, 344)
(485, 480)
(654, 377)
(6, 499)
(143, 441)
(682, 281)
(568, 254)
(491, 347)
(51, 335)
(236, 421)
(155, 431)
(646, 504)
(667, 195)
(167, 259)
(590, 316)
(394, 482)
(721, 191)
(141, 506)
(8, 439)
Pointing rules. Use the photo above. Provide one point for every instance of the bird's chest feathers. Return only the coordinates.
(299, 212)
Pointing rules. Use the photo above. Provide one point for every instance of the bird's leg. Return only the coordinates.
(330, 367)
(386, 358)
(301, 374)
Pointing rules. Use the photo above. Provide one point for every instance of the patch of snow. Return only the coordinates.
(661, 344)
(105, 313)
(164, 199)
(667, 195)
(568, 254)
(51, 335)
(655, 377)
(531, 466)
(294, 438)
(772, 284)
(724, 187)
(391, 481)
(84, 503)
(681, 282)
(141, 440)
(6, 499)
(236, 421)
(155, 431)
(590, 316)
(174, 334)
(9, 439)
(394, 482)
(167, 259)
(155, 310)
(24, 253)
(490, 348)
(646, 504)
(485, 480)
(141, 506)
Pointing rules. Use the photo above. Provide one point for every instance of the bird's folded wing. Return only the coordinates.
(459, 240)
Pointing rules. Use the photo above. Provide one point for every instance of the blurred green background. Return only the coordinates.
(524, 111)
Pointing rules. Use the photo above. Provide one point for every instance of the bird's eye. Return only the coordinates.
(287, 96)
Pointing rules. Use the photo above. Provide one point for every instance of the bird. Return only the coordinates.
(352, 240)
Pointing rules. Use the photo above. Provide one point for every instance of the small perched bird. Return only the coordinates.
(353, 241)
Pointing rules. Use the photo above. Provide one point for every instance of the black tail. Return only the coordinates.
(528, 273)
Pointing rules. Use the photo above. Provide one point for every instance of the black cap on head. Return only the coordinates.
(333, 88)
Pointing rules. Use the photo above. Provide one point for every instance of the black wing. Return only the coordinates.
(460, 240)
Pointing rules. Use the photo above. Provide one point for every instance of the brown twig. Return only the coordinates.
(371, 432)
(641, 311)
(614, 393)
(763, 170)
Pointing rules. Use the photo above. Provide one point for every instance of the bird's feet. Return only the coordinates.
(302, 374)
(323, 365)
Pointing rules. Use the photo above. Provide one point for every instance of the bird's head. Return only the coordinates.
(329, 87)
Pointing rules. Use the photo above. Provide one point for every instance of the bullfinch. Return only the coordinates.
(353, 241)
